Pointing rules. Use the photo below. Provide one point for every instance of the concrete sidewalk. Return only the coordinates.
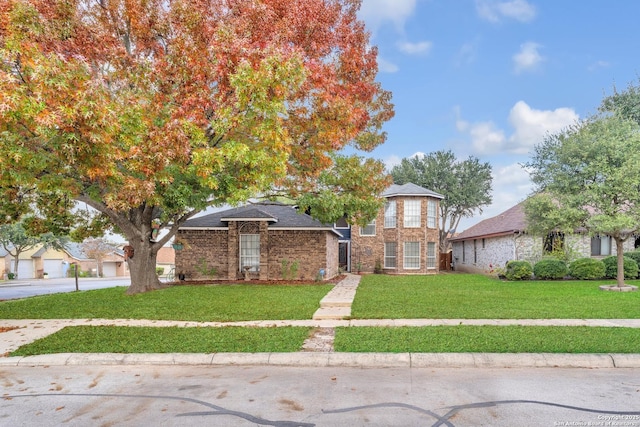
(334, 311)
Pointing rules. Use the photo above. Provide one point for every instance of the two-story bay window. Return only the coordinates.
(390, 218)
(431, 214)
(412, 213)
(390, 253)
(369, 229)
(412, 255)
(431, 255)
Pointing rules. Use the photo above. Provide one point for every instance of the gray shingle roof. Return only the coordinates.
(409, 189)
(512, 220)
(279, 215)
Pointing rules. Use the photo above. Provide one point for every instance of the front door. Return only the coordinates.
(343, 256)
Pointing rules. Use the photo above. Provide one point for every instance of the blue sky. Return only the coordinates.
(489, 78)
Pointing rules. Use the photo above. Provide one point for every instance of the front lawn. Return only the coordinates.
(488, 339)
(220, 303)
(118, 339)
(471, 296)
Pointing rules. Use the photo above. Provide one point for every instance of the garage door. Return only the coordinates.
(109, 269)
(25, 269)
(53, 267)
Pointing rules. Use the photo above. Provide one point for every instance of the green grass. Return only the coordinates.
(489, 339)
(221, 303)
(117, 339)
(470, 296)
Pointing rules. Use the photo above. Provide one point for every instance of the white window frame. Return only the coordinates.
(412, 214)
(600, 240)
(390, 259)
(366, 231)
(409, 260)
(431, 255)
(431, 214)
(249, 252)
(390, 214)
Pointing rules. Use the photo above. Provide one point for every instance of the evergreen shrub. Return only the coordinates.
(611, 267)
(587, 269)
(518, 270)
(550, 269)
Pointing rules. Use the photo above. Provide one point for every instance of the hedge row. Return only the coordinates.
(580, 269)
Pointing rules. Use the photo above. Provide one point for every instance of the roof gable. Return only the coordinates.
(279, 215)
(512, 220)
(410, 189)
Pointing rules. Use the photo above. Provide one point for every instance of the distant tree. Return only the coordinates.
(465, 185)
(588, 175)
(15, 239)
(152, 110)
(98, 249)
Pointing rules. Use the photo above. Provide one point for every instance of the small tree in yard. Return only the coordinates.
(149, 111)
(98, 249)
(16, 240)
(589, 176)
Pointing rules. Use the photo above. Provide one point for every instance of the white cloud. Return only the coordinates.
(466, 54)
(511, 185)
(486, 137)
(376, 13)
(528, 58)
(495, 11)
(598, 65)
(415, 48)
(386, 66)
(530, 127)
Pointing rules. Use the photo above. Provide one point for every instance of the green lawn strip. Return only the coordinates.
(470, 296)
(488, 339)
(122, 339)
(220, 303)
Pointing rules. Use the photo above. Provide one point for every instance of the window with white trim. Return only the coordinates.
(369, 229)
(390, 254)
(431, 214)
(431, 255)
(412, 213)
(601, 245)
(411, 255)
(250, 252)
(390, 218)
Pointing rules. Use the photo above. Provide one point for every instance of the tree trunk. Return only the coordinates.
(620, 258)
(142, 267)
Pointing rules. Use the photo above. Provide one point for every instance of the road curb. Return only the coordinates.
(363, 360)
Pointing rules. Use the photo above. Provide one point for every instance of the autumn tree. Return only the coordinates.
(588, 175)
(465, 184)
(151, 110)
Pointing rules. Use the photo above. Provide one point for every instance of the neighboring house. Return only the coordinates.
(33, 263)
(493, 242)
(265, 239)
(403, 239)
(113, 265)
(166, 259)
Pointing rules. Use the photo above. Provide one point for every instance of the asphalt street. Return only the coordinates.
(338, 396)
(14, 289)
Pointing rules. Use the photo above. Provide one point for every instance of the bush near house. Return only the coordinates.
(518, 270)
(635, 255)
(550, 269)
(587, 269)
(611, 267)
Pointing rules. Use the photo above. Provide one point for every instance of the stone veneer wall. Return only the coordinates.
(368, 250)
(497, 251)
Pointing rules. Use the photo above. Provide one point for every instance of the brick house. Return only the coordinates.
(493, 242)
(267, 240)
(403, 238)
